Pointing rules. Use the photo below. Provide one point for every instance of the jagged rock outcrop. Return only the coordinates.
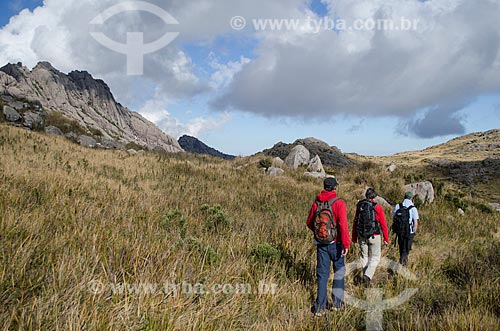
(195, 146)
(80, 98)
(299, 156)
(424, 190)
(315, 168)
(330, 156)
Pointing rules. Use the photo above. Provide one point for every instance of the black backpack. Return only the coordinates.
(366, 222)
(325, 230)
(401, 221)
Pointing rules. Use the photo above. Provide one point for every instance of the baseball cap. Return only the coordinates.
(329, 183)
(408, 195)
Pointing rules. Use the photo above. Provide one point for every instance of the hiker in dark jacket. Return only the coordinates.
(405, 244)
(371, 247)
(331, 252)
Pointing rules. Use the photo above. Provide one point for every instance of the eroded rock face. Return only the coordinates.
(299, 156)
(33, 121)
(425, 190)
(80, 97)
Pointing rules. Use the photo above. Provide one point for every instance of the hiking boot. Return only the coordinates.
(366, 280)
(320, 313)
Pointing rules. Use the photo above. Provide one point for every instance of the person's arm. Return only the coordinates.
(310, 218)
(343, 224)
(416, 218)
(383, 223)
(354, 225)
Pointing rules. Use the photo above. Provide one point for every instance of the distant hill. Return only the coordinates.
(195, 146)
(472, 160)
(330, 156)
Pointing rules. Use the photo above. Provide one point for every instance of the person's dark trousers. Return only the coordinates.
(326, 255)
(405, 248)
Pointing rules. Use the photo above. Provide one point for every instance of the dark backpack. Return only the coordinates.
(401, 221)
(366, 222)
(325, 230)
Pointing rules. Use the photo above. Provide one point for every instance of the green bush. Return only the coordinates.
(265, 163)
(135, 146)
(64, 124)
(215, 217)
(175, 219)
(266, 253)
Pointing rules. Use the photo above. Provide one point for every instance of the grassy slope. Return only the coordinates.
(71, 215)
(474, 147)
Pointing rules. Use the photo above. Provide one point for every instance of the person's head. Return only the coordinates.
(409, 195)
(330, 184)
(371, 193)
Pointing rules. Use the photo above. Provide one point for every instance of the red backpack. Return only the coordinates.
(325, 230)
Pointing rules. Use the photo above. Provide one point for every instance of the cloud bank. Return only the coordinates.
(424, 77)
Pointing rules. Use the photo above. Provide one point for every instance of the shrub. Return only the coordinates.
(330, 171)
(64, 124)
(133, 145)
(216, 218)
(175, 218)
(368, 165)
(266, 253)
(265, 163)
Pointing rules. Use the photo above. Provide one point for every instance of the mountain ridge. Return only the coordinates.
(81, 98)
(196, 146)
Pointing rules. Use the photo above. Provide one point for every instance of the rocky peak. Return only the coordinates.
(82, 100)
(46, 66)
(84, 81)
(17, 71)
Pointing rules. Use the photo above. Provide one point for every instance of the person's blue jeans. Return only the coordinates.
(326, 255)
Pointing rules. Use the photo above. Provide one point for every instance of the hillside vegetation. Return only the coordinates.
(76, 220)
(470, 162)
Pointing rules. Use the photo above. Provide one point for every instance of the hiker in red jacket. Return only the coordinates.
(328, 209)
(369, 225)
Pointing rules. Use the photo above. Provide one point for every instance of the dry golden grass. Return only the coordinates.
(72, 217)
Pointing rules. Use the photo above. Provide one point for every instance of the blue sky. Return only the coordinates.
(241, 91)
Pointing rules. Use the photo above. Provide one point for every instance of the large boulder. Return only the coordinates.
(33, 121)
(275, 172)
(495, 206)
(315, 165)
(424, 190)
(86, 141)
(278, 162)
(53, 130)
(299, 156)
(11, 115)
(314, 174)
(315, 168)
